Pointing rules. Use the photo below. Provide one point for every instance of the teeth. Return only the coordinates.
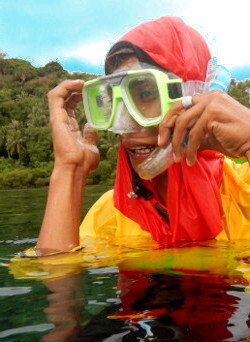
(141, 149)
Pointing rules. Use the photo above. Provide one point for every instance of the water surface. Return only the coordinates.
(118, 290)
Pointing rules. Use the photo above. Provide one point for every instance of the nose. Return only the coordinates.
(123, 121)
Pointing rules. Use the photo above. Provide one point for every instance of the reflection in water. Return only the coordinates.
(181, 308)
(154, 307)
(196, 293)
(64, 309)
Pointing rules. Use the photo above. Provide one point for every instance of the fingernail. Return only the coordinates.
(78, 80)
(159, 140)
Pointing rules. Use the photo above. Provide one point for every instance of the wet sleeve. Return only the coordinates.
(46, 267)
(34, 252)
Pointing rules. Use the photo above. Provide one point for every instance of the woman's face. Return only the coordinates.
(143, 141)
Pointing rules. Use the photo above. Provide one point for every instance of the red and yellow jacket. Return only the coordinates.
(105, 219)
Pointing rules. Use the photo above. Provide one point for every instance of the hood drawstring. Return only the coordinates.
(139, 188)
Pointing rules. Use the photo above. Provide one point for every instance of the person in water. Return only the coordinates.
(202, 195)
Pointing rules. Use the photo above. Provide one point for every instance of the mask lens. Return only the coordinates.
(144, 95)
(100, 103)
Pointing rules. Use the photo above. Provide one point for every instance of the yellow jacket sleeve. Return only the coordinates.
(104, 220)
(235, 195)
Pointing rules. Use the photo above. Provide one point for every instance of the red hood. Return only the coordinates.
(194, 204)
(173, 45)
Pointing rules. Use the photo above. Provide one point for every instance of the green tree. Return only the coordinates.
(2, 136)
(25, 139)
(52, 67)
(20, 69)
(107, 141)
(241, 92)
(18, 108)
(15, 138)
(39, 145)
(38, 115)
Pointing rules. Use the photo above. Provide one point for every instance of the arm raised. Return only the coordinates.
(76, 155)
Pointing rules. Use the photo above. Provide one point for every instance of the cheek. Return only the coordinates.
(150, 110)
(134, 163)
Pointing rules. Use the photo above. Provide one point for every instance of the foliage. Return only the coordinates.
(18, 178)
(26, 153)
(241, 92)
(8, 164)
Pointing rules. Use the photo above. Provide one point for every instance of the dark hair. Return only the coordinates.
(124, 50)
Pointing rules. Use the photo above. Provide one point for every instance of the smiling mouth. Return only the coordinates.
(142, 150)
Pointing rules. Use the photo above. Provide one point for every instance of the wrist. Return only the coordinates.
(69, 169)
(63, 173)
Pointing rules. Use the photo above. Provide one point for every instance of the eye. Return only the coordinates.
(144, 90)
(148, 95)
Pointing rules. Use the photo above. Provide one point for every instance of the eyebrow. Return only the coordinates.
(136, 83)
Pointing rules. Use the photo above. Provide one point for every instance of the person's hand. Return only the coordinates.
(215, 121)
(71, 146)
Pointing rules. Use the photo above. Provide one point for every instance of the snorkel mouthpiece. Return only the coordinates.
(158, 161)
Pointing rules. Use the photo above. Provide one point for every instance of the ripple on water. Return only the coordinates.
(27, 329)
(12, 291)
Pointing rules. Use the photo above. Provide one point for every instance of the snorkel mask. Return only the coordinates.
(127, 101)
(124, 101)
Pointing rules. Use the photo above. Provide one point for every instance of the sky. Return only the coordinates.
(78, 33)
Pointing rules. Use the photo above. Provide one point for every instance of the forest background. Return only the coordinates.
(26, 151)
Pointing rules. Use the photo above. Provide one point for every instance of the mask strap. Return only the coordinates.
(138, 187)
(217, 77)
